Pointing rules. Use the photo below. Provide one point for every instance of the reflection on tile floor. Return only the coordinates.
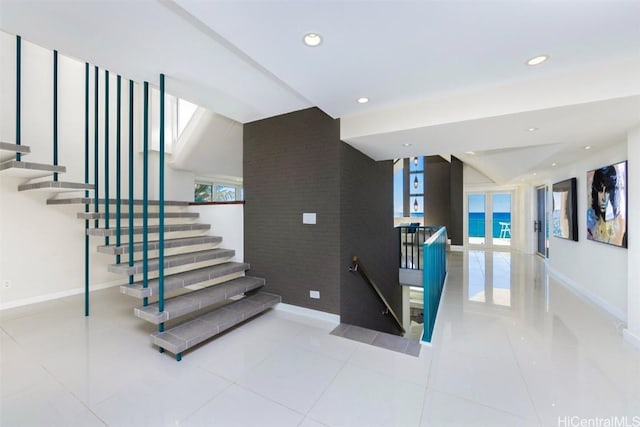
(511, 347)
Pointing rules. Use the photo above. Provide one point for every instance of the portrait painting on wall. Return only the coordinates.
(607, 204)
(565, 209)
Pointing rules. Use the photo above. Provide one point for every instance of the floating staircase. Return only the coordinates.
(207, 293)
(10, 165)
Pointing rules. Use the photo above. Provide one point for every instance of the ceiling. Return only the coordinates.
(443, 77)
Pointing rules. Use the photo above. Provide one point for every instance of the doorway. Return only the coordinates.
(540, 224)
(489, 219)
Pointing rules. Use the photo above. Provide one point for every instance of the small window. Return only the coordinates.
(203, 193)
(217, 192)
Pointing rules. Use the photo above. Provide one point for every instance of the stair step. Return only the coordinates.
(153, 246)
(8, 151)
(29, 169)
(90, 201)
(197, 300)
(188, 334)
(150, 229)
(187, 278)
(56, 186)
(172, 261)
(136, 215)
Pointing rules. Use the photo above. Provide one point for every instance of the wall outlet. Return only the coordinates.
(6, 284)
(314, 294)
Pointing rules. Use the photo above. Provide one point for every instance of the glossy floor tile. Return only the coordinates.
(511, 347)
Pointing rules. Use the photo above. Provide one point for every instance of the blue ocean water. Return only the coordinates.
(477, 221)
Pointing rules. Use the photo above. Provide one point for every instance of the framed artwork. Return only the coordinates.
(607, 204)
(565, 209)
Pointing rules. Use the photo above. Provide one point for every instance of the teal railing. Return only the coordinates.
(435, 270)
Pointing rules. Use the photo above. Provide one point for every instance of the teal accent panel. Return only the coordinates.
(435, 271)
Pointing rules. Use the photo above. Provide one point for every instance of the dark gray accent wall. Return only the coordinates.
(455, 230)
(296, 163)
(292, 166)
(437, 198)
(367, 231)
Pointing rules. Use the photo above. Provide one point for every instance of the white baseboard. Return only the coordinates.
(631, 338)
(588, 295)
(308, 312)
(56, 295)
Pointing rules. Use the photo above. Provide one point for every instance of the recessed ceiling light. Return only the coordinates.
(532, 129)
(587, 147)
(537, 60)
(312, 39)
(553, 164)
(363, 100)
(406, 144)
(470, 152)
(535, 173)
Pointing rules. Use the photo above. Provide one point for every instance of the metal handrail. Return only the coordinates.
(356, 266)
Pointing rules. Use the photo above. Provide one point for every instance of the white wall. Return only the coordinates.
(632, 333)
(598, 271)
(227, 221)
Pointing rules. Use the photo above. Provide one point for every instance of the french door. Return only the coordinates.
(489, 218)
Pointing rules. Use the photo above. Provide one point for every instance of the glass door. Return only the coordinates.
(477, 219)
(489, 219)
(501, 219)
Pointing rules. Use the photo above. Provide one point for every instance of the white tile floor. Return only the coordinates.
(511, 348)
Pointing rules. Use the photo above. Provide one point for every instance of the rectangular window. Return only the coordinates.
(217, 192)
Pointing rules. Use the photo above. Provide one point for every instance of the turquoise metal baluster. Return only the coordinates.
(55, 112)
(118, 167)
(145, 193)
(161, 210)
(86, 192)
(18, 92)
(96, 167)
(130, 178)
(106, 154)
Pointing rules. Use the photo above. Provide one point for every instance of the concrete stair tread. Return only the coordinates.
(124, 216)
(187, 278)
(8, 151)
(90, 201)
(153, 245)
(197, 300)
(56, 186)
(29, 169)
(153, 228)
(193, 332)
(172, 261)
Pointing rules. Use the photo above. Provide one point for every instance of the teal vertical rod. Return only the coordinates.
(145, 193)
(18, 97)
(118, 165)
(55, 112)
(96, 168)
(106, 154)
(86, 192)
(161, 207)
(130, 177)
